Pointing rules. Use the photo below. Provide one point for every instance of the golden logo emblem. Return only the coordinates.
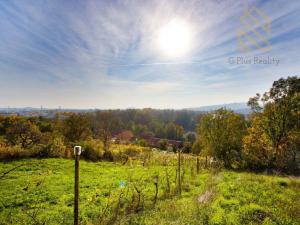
(254, 31)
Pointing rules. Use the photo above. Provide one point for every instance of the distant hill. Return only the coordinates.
(46, 112)
(236, 107)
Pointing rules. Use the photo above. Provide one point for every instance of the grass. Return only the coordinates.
(41, 192)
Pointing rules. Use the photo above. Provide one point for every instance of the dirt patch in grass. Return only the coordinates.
(205, 197)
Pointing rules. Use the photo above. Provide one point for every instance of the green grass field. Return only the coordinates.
(41, 192)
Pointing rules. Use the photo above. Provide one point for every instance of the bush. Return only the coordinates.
(53, 147)
(187, 147)
(133, 151)
(163, 144)
(124, 152)
(142, 142)
(92, 150)
(15, 152)
(57, 147)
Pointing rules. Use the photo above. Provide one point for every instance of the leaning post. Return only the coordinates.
(77, 152)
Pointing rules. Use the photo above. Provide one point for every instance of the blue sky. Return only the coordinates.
(103, 54)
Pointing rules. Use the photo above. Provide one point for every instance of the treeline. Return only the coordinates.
(170, 124)
(268, 140)
(40, 136)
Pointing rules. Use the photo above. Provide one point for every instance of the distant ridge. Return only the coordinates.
(240, 107)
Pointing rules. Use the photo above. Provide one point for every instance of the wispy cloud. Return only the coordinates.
(103, 53)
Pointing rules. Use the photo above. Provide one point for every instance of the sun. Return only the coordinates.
(174, 38)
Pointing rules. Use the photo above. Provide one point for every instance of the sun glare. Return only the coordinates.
(174, 39)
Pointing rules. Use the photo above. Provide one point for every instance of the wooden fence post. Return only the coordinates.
(198, 164)
(179, 171)
(77, 152)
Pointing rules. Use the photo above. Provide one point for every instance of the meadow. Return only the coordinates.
(40, 191)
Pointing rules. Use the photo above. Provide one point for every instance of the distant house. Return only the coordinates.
(156, 143)
(153, 142)
(127, 137)
(175, 144)
(124, 137)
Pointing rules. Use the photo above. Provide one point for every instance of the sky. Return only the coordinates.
(106, 54)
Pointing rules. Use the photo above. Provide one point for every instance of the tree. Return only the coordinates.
(174, 131)
(23, 132)
(163, 144)
(184, 118)
(76, 127)
(190, 137)
(140, 129)
(257, 150)
(6, 122)
(44, 124)
(105, 124)
(197, 147)
(221, 134)
(277, 123)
